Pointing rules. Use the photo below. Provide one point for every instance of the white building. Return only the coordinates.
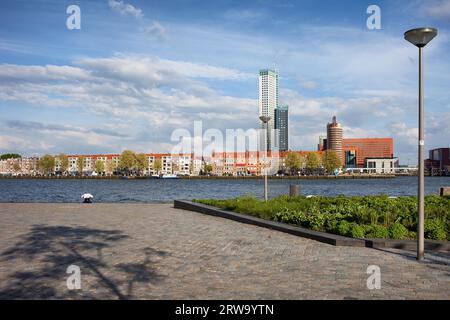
(268, 102)
(166, 164)
(19, 166)
(381, 165)
(181, 164)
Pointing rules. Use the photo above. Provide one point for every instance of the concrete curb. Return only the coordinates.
(328, 238)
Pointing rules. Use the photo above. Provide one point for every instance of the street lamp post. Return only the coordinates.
(265, 120)
(420, 37)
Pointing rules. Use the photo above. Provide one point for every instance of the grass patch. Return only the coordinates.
(356, 217)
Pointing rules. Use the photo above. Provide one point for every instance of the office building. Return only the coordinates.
(268, 102)
(281, 127)
(381, 165)
(322, 143)
(439, 159)
(356, 151)
(334, 137)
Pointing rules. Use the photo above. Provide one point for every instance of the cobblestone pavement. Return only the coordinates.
(153, 251)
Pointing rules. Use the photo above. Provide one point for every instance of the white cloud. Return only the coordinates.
(307, 84)
(244, 15)
(439, 9)
(136, 92)
(125, 8)
(11, 72)
(155, 29)
(10, 143)
(402, 131)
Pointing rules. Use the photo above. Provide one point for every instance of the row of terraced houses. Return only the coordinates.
(222, 163)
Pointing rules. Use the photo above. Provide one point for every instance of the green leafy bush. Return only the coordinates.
(435, 229)
(356, 231)
(368, 216)
(398, 231)
(343, 228)
(377, 231)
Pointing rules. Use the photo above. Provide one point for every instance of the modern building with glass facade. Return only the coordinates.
(281, 127)
(358, 150)
(268, 102)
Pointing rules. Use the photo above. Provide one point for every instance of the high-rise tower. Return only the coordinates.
(281, 126)
(334, 137)
(268, 102)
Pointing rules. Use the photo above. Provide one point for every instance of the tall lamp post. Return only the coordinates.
(420, 37)
(265, 120)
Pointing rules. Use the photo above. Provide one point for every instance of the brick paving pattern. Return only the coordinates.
(153, 251)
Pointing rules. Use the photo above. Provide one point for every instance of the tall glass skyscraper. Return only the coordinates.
(281, 127)
(268, 102)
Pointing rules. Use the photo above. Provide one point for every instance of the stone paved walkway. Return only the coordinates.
(152, 251)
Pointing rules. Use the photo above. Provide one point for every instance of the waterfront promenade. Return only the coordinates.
(153, 251)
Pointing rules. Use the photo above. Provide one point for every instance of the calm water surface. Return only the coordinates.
(160, 190)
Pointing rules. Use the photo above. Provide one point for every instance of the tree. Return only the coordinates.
(16, 167)
(127, 161)
(157, 166)
(207, 169)
(293, 162)
(312, 161)
(80, 165)
(140, 163)
(63, 162)
(99, 166)
(331, 161)
(110, 166)
(6, 156)
(47, 164)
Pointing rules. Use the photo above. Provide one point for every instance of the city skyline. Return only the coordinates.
(132, 74)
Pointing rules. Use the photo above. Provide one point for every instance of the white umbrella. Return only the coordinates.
(87, 196)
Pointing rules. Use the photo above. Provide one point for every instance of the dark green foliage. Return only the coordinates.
(343, 228)
(377, 231)
(356, 231)
(368, 216)
(398, 231)
(435, 229)
(10, 156)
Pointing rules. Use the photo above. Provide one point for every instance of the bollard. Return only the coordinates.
(444, 192)
(294, 190)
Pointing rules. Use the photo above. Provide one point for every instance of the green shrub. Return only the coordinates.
(343, 228)
(375, 216)
(377, 231)
(435, 229)
(356, 231)
(398, 231)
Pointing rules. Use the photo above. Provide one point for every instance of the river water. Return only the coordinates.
(166, 190)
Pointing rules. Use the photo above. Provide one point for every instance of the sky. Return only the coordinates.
(138, 70)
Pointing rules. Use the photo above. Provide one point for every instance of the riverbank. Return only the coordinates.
(312, 177)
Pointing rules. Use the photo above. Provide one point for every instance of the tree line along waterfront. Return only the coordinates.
(130, 163)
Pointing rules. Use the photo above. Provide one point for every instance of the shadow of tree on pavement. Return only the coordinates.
(41, 257)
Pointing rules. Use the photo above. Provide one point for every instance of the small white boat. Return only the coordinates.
(169, 176)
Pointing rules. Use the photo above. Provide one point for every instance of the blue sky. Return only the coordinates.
(137, 70)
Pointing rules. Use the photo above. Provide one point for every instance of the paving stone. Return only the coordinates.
(153, 251)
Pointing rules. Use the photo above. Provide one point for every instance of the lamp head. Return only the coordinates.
(420, 36)
(265, 118)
